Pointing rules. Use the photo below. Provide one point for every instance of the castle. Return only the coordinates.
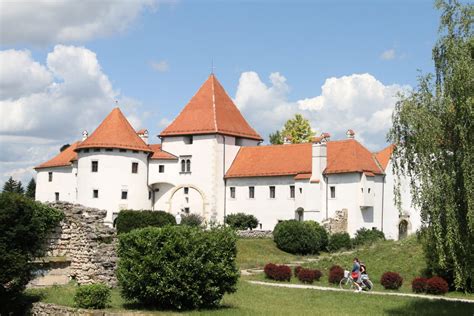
(210, 162)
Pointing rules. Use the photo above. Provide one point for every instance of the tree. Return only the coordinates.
(31, 189)
(24, 225)
(10, 185)
(19, 188)
(275, 138)
(434, 136)
(298, 128)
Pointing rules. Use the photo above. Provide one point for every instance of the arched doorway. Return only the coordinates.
(299, 214)
(187, 199)
(402, 229)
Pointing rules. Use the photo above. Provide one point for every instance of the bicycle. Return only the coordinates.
(348, 283)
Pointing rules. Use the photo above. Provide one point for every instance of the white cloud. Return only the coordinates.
(389, 54)
(163, 123)
(160, 66)
(67, 94)
(358, 101)
(45, 21)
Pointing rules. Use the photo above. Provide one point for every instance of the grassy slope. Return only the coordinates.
(260, 300)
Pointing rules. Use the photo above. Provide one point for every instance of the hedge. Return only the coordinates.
(178, 267)
(94, 296)
(192, 220)
(241, 221)
(296, 237)
(366, 236)
(339, 241)
(128, 220)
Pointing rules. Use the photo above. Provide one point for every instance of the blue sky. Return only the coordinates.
(270, 56)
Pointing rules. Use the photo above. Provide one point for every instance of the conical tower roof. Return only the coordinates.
(211, 111)
(114, 132)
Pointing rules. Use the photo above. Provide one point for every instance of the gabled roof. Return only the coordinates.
(350, 156)
(158, 153)
(62, 159)
(272, 160)
(343, 156)
(383, 156)
(211, 111)
(115, 132)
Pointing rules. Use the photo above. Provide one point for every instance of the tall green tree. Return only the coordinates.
(10, 185)
(31, 189)
(434, 135)
(19, 188)
(298, 128)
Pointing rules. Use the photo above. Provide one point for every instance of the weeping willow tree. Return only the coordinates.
(433, 129)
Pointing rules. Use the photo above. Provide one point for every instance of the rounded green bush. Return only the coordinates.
(241, 221)
(192, 220)
(128, 220)
(339, 241)
(94, 296)
(178, 267)
(366, 236)
(300, 237)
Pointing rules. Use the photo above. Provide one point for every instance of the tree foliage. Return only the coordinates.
(434, 136)
(31, 189)
(13, 186)
(24, 227)
(298, 128)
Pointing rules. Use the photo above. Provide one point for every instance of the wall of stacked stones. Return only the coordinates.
(86, 242)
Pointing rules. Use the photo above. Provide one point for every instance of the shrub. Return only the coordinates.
(436, 285)
(366, 236)
(192, 220)
(297, 270)
(95, 296)
(24, 228)
(300, 237)
(336, 273)
(241, 221)
(309, 275)
(317, 274)
(391, 280)
(339, 241)
(128, 220)
(179, 267)
(277, 272)
(418, 285)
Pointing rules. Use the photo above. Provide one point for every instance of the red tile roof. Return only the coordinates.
(272, 160)
(350, 156)
(115, 132)
(296, 159)
(303, 176)
(211, 111)
(383, 156)
(62, 159)
(160, 154)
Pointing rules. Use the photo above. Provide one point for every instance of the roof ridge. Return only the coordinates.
(214, 102)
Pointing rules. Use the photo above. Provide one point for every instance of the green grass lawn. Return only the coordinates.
(261, 300)
(255, 253)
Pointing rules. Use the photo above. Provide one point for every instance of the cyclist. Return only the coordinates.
(356, 274)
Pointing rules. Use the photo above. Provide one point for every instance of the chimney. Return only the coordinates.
(287, 139)
(85, 134)
(319, 159)
(350, 134)
(143, 133)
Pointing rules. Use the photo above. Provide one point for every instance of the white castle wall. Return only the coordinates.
(114, 175)
(63, 182)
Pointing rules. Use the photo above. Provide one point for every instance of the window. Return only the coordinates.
(94, 166)
(134, 167)
(188, 140)
(56, 196)
(109, 149)
(186, 210)
(50, 176)
(96, 150)
(238, 141)
(186, 190)
(272, 192)
(301, 190)
(124, 195)
(232, 192)
(251, 192)
(333, 192)
(123, 150)
(369, 190)
(161, 168)
(135, 151)
(183, 165)
(292, 191)
(86, 150)
(149, 195)
(188, 165)
(95, 194)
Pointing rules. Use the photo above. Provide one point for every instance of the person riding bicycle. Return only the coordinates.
(356, 271)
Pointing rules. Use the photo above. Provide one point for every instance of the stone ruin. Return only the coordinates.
(81, 248)
(336, 224)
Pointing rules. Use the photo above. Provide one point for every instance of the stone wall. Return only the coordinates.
(46, 309)
(86, 242)
(338, 223)
(255, 233)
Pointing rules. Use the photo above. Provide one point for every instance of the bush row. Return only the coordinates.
(241, 221)
(435, 285)
(277, 272)
(296, 237)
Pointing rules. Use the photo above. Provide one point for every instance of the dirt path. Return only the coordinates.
(323, 288)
